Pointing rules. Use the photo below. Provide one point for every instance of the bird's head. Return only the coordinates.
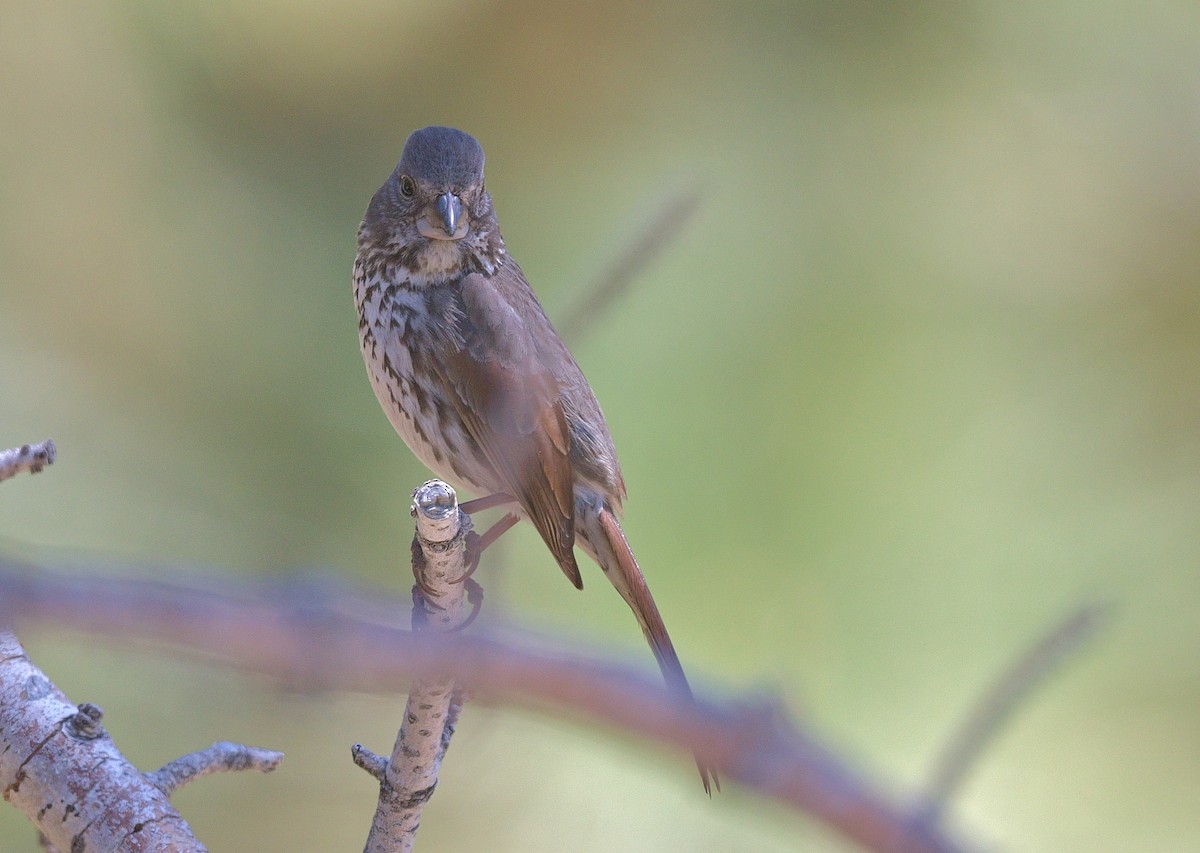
(434, 211)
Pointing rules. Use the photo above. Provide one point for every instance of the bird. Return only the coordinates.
(472, 375)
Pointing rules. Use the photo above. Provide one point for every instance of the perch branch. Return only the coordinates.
(408, 779)
(28, 457)
(292, 634)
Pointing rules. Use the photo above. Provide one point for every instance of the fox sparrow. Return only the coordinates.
(474, 378)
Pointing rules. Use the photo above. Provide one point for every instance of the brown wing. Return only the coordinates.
(511, 405)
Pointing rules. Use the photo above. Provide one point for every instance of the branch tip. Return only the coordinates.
(373, 763)
(435, 500)
(408, 778)
(85, 722)
(28, 458)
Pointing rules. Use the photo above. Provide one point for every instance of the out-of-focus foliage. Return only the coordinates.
(924, 373)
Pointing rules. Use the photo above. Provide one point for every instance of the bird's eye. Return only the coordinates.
(407, 187)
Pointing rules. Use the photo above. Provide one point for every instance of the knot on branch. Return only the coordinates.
(84, 724)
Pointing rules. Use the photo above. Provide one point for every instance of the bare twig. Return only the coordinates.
(265, 630)
(654, 236)
(373, 763)
(996, 706)
(408, 779)
(28, 457)
(221, 757)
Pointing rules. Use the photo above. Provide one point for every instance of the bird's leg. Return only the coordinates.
(476, 544)
(497, 530)
(487, 502)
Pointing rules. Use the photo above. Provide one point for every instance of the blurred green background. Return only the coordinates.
(923, 374)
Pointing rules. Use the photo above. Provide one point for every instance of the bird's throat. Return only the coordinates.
(438, 261)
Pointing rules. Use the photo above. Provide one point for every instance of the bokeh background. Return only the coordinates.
(922, 375)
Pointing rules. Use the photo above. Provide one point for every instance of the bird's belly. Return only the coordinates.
(407, 421)
(423, 417)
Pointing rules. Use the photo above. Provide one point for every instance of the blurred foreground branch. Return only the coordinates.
(292, 634)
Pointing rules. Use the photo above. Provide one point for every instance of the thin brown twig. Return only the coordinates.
(997, 705)
(652, 238)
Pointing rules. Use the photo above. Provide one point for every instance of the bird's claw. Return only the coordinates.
(422, 590)
(471, 556)
(474, 598)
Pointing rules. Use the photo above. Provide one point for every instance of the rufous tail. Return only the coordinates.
(631, 583)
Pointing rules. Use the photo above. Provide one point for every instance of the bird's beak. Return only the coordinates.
(449, 208)
(445, 219)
